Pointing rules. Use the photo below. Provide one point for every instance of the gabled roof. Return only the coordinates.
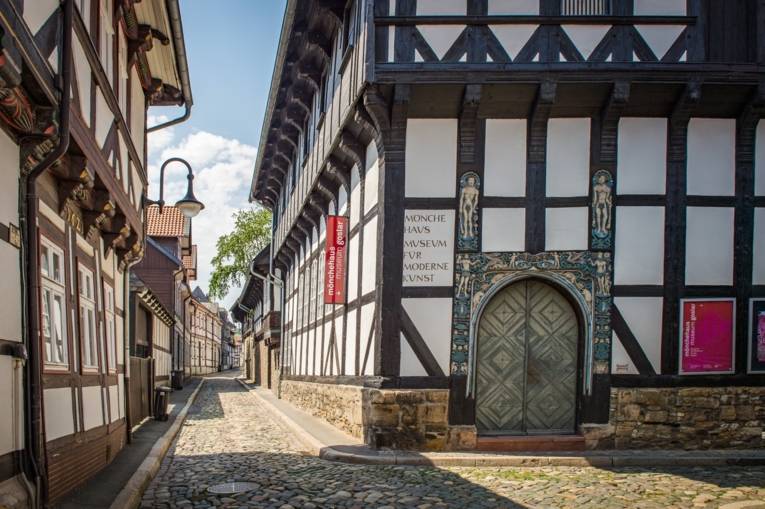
(154, 244)
(170, 223)
(200, 295)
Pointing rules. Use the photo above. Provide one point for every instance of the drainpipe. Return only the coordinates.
(34, 436)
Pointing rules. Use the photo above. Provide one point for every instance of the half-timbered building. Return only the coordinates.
(76, 79)
(206, 329)
(555, 220)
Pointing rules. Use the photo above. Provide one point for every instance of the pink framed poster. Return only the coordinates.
(707, 336)
(757, 335)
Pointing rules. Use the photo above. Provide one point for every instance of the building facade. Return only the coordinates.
(76, 79)
(258, 311)
(555, 214)
(206, 330)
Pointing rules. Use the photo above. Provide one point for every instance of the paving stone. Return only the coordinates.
(230, 436)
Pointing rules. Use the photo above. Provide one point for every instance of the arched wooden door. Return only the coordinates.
(526, 362)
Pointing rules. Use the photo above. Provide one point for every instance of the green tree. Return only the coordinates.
(235, 250)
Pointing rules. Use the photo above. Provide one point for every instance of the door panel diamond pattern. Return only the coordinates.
(527, 362)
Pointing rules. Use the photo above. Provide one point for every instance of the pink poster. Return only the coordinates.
(707, 336)
(761, 336)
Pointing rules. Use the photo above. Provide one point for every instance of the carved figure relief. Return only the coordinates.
(602, 209)
(470, 185)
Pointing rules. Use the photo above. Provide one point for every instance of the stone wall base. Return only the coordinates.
(397, 418)
(668, 418)
(13, 495)
(683, 418)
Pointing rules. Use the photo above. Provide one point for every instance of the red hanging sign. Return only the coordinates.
(335, 255)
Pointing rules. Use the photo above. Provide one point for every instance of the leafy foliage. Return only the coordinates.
(235, 250)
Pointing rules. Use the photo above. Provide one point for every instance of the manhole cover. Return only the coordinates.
(230, 488)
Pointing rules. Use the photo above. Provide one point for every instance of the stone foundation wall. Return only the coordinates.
(401, 419)
(339, 405)
(682, 418)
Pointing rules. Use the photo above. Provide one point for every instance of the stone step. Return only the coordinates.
(529, 443)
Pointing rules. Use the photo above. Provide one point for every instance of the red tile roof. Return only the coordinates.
(170, 223)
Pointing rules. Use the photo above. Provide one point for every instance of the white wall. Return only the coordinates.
(644, 318)
(503, 229)
(709, 246)
(639, 246)
(711, 157)
(514, 7)
(433, 319)
(505, 158)
(57, 404)
(567, 229)
(758, 275)
(431, 157)
(92, 409)
(759, 160)
(12, 399)
(568, 157)
(642, 156)
(10, 282)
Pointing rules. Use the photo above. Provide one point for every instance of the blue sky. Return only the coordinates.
(231, 46)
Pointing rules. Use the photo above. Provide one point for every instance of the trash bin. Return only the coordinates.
(161, 400)
(177, 380)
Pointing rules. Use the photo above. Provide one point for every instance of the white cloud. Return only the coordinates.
(223, 170)
(159, 139)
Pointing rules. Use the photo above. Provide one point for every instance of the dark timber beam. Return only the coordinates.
(675, 222)
(339, 172)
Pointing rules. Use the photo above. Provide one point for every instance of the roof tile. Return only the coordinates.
(170, 223)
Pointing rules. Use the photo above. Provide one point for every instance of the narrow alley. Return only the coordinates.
(230, 436)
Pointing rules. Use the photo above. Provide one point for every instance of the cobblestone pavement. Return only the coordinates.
(229, 436)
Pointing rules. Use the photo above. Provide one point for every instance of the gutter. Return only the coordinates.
(34, 437)
(174, 13)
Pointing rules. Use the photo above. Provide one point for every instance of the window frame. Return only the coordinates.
(88, 302)
(56, 287)
(109, 306)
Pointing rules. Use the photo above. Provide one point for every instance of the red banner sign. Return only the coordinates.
(335, 256)
(706, 342)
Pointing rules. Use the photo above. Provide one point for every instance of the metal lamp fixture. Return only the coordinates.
(188, 205)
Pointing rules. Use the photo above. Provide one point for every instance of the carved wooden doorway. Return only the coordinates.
(526, 363)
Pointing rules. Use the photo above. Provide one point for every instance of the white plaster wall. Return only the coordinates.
(439, 37)
(639, 246)
(441, 7)
(586, 37)
(10, 281)
(513, 37)
(621, 364)
(369, 262)
(12, 400)
(758, 275)
(642, 156)
(660, 7)
(325, 352)
(503, 230)
(372, 178)
(433, 319)
(342, 201)
(711, 156)
(367, 316)
(431, 157)
(644, 318)
(104, 118)
(350, 345)
(514, 7)
(567, 229)
(37, 12)
(92, 410)
(709, 246)
(659, 38)
(355, 197)
(759, 161)
(505, 158)
(58, 413)
(410, 364)
(353, 268)
(568, 157)
(84, 83)
(114, 402)
(121, 390)
(441, 231)
(138, 112)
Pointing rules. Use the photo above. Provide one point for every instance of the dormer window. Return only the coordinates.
(586, 7)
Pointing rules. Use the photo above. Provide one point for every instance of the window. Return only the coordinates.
(53, 311)
(87, 318)
(106, 39)
(585, 7)
(111, 339)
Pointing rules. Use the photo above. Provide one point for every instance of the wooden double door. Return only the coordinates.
(527, 362)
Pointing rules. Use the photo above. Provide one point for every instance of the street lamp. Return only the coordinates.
(188, 205)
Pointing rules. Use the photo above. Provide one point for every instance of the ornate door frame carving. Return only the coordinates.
(584, 275)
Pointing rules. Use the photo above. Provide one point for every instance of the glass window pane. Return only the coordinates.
(44, 256)
(59, 337)
(57, 268)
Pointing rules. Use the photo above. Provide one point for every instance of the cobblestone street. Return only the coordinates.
(230, 436)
